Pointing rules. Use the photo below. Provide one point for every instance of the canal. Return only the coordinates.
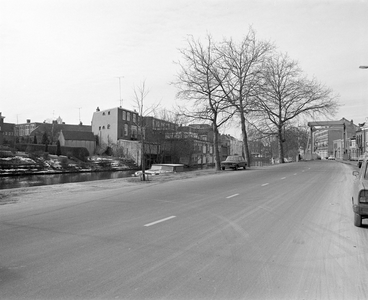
(21, 181)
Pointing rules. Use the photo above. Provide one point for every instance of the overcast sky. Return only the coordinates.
(62, 58)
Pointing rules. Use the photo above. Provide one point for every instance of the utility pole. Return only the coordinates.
(365, 142)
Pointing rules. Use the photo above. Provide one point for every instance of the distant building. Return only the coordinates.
(165, 141)
(6, 132)
(117, 128)
(113, 124)
(362, 139)
(326, 132)
(78, 139)
(30, 131)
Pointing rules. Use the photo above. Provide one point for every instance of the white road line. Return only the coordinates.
(283, 178)
(159, 221)
(265, 184)
(228, 197)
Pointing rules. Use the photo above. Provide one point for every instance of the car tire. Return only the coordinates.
(236, 168)
(223, 168)
(357, 220)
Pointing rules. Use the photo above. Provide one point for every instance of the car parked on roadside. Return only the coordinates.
(331, 157)
(234, 162)
(157, 169)
(360, 193)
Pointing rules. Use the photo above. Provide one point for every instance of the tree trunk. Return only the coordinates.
(245, 139)
(143, 160)
(216, 148)
(281, 147)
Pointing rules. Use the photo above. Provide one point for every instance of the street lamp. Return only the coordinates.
(364, 136)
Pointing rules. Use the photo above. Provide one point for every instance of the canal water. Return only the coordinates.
(21, 181)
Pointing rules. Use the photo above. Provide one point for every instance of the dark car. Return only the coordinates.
(360, 193)
(234, 162)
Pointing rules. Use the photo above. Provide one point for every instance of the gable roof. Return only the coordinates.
(78, 135)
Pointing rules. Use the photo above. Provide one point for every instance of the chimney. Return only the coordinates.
(28, 120)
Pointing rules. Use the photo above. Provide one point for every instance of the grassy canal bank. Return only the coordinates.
(22, 163)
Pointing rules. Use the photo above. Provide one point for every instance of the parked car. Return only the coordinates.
(234, 162)
(360, 193)
(158, 169)
(331, 157)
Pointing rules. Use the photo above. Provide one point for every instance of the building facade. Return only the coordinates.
(7, 136)
(362, 139)
(324, 133)
(30, 132)
(78, 139)
(112, 125)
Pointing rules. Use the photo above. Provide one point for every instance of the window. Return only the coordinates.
(124, 115)
(108, 126)
(134, 131)
(134, 118)
(125, 129)
(108, 113)
(128, 116)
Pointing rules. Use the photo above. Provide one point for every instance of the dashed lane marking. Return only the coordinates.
(228, 197)
(159, 221)
(265, 184)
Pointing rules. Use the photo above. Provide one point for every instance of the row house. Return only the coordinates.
(113, 124)
(7, 136)
(362, 139)
(194, 147)
(165, 141)
(117, 129)
(34, 131)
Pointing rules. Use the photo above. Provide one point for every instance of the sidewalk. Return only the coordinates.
(348, 162)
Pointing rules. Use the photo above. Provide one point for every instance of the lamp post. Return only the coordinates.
(364, 131)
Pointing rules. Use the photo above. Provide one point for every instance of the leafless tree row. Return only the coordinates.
(250, 81)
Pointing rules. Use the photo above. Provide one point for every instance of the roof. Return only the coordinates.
(78, 135)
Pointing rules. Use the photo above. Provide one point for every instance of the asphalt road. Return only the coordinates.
(278, 232)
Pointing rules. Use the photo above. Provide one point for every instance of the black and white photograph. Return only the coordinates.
(184, 149)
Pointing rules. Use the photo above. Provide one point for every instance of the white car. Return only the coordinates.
(158, 169)
(331, 157)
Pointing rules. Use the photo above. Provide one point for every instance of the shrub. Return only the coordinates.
(64, 163)
(46, 156)
(79, 152)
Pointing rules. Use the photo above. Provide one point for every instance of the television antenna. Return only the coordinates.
(120, 99)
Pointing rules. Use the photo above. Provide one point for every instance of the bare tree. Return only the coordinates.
(285, 94)
(242, 63)
(199, 82)
(140, 94)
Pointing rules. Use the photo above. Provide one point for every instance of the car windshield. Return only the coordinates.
(233, 158)
(155, 168)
